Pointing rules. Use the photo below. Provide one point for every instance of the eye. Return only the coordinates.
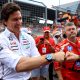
(68, 29)
(73, 28)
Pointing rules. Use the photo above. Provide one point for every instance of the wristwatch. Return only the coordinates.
(49, 57)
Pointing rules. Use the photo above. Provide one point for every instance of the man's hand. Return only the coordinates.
(47, 42)
(71, 56)
(59, 56)
(41, 41)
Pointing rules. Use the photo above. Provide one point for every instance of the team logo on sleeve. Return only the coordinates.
(1, 48)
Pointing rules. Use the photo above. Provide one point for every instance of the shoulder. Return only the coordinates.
(61, 45)
(38, 37)
(63, 42)
(78, 38)
(3, 38)
(51, 39)
(27, 36)
(78, 41)
(24, 30)
(2, 35)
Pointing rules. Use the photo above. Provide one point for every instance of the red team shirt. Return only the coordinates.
(44, 45)
(70, 69)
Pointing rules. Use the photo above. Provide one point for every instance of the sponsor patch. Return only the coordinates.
(10, 38)
(69, 48)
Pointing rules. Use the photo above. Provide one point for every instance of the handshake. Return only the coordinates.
(61, 56)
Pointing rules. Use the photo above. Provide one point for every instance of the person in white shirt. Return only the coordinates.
(18, 52)
(57, 36)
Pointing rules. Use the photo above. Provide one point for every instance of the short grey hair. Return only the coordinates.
(69, 24)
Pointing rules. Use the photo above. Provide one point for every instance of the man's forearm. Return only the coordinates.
(29, 63)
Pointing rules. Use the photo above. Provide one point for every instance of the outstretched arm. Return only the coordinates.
(27, 64)
(72, 56)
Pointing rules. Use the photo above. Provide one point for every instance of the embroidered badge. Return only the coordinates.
(10, 38)
(69, 48)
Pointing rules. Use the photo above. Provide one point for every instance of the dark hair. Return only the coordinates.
(8, 9)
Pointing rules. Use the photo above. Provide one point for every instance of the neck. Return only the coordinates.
(17, 35)
(46, 37)
(72, 39)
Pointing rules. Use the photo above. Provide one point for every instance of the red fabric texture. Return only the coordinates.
(42, 45)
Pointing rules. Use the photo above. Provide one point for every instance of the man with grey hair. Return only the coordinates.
(69, 70)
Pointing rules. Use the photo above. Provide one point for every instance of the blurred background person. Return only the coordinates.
(57, 36)
(45, 45)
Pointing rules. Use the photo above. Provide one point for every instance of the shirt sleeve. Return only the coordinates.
(34, 51)
(7, 57)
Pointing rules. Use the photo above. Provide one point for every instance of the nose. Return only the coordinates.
(72, 31)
